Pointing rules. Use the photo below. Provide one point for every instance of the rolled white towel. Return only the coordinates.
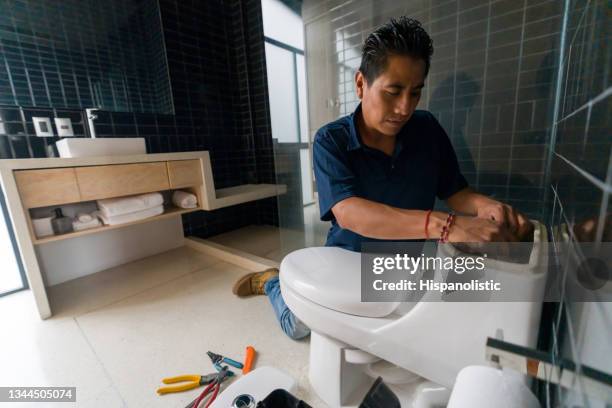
(79, 226)
(183, 199)
(84, 217)
(130, 217)
(124, 205)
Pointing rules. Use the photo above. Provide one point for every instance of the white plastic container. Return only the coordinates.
(43, 227)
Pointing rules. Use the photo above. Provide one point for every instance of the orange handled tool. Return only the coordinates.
(248, 360)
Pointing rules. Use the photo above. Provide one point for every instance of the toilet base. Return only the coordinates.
(341, 379)
(337, 382)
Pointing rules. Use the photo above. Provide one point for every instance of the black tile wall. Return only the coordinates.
(254, 123)
(83, 53)
(216, 66)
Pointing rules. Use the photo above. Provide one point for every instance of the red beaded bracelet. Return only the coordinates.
(446, 229)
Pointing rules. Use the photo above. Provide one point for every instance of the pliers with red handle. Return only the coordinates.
(212, 389)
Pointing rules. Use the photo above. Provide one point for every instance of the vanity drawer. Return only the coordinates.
(184, 173)
(40, 188)
(97, 182)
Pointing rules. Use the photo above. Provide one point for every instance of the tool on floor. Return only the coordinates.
(219, 368)
(211, 389)
(217, 359)
(189, 382)
(248, 360)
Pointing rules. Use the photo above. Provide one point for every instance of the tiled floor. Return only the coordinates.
(115, 334)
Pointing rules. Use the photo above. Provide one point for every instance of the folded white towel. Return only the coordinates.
(124, 205)
(183, 199)
(84, 217)
(130, 217)
(80, 226)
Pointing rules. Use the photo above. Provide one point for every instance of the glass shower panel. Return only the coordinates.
(282, 91)
(306, 168)
(302, 92)
(291, 130)
(292, 148)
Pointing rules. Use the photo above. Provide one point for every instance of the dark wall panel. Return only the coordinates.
(217, 74)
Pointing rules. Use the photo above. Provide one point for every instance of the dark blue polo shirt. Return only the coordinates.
(423, 166)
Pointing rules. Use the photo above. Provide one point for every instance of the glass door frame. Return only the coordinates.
(9, 227)
(299, 143)
(294, 51)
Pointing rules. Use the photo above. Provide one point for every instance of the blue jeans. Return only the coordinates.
(290, 324)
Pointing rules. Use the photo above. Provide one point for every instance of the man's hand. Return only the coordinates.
(467, 201)
(506, 216)
(474, 229)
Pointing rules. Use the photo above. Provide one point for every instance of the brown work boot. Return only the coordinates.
(253, 283)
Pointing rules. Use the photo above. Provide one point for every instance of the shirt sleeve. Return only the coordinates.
(335, 180)
(450, 179)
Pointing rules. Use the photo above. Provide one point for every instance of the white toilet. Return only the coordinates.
(405, 343)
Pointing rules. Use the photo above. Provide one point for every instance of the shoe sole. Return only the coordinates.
(247, 277)
(240, 282)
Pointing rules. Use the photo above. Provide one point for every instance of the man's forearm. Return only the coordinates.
(381, 221)
(467, 201)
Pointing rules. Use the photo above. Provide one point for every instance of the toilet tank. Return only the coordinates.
(439, 338)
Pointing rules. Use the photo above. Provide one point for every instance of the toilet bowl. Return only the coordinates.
(418, 341)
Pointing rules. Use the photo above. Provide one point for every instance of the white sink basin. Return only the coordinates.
(107, 146)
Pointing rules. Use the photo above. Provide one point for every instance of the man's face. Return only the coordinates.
(389, 101)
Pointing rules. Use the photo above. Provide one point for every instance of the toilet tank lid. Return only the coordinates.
(330, 277)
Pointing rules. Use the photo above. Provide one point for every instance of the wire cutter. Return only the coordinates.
(217, 359)
(189, 382)
(211, 389)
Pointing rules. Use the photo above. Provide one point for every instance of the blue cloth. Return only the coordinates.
(423, 166)
(290, 324)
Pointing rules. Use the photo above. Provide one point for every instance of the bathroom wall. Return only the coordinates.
(84, 53)
(523, 90)
(580, 183)
(490, 83)
(216, 64)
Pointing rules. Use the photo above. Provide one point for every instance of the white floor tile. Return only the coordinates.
(117, 333)
(53, 352)
(167, 330)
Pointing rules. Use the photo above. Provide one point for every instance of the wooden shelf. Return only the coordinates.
(225, 197)
(36, 183)
(168, 212)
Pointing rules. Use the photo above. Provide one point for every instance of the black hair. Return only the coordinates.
(402, 36)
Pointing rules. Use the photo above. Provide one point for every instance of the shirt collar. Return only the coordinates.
(355, 139)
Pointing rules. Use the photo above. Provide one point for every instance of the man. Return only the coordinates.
(380, 169)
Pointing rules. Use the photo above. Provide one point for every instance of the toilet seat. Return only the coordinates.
(331, 277)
